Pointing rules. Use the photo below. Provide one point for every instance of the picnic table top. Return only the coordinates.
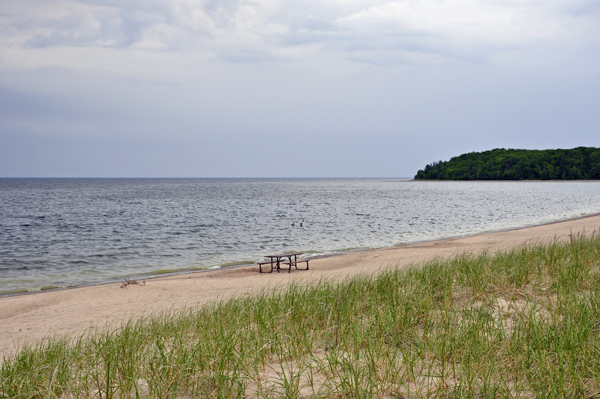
(283, 255)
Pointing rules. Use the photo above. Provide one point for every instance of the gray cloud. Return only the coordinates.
(583, 8)
(359, 88)
(465, 30)
(116, 27)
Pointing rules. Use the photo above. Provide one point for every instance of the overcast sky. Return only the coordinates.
(289, 88)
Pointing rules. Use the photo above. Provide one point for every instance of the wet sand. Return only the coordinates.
(32, 317)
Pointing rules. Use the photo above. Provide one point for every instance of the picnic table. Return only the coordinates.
(276, 261)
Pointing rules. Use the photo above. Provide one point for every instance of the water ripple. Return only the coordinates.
(55, 232)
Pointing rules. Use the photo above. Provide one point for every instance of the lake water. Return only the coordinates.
(57, 233)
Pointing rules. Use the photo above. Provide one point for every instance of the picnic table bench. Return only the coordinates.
(276, 261)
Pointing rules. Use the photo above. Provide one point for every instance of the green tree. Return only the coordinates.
(513, 164)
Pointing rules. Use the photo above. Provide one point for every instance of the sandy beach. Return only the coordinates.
(32, 317)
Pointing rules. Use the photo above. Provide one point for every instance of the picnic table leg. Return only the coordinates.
(260, 265)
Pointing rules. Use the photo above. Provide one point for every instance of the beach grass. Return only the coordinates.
(524, 322)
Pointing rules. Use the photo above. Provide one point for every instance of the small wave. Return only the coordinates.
(310, 252)
(240, 263)
(349, 249)
(88, 272)
(49, 287)
(15, 291)
(209, 226)
(179, 270)
(103, 256)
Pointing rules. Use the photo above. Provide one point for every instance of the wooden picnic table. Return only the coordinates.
(277, 260)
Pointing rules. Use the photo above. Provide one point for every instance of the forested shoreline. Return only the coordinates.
(581, 163)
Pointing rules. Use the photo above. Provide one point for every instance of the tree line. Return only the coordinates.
(511, 164)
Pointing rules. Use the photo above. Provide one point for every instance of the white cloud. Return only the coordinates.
(36, 33)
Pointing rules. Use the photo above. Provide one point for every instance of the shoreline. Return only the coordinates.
(33, 316)
(322, 256)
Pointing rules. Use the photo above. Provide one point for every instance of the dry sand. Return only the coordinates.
(31, 317)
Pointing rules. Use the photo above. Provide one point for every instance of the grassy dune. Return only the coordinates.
(522, 323)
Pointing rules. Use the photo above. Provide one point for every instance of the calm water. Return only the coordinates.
(68, 232)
